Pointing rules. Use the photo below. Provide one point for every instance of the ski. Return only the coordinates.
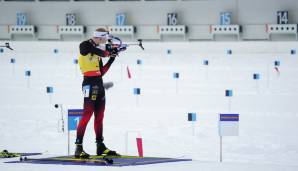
(6, 154)
(107, 159)
(102, 160)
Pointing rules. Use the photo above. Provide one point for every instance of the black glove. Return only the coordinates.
(109, 47)
(114, 52)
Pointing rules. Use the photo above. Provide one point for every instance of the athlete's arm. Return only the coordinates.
(87, 47)
(105, 68)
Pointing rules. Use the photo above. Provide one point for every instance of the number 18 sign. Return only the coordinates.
(74, 117)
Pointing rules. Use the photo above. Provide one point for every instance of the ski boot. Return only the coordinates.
(80, 153)
(103, 150)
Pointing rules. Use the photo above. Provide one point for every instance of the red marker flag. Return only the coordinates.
(276, 69)
(140, 146)
(128, 73)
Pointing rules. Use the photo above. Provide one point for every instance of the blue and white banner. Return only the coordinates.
(176, 75)
(137, 91)
(229, 93)
(74, 117)
(12, 60)
(192, 117)
(256, 76)
(228, 124)
(50, 90)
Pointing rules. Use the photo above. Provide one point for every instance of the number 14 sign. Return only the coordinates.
(282, 17)
(74, 117)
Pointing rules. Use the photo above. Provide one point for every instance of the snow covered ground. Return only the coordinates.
(268, 126)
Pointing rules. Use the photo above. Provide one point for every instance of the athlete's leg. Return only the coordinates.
(98, 118)
(87, 113)
(98, 127)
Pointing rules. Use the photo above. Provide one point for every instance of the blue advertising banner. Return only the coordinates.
(74, 117)
(229, 117)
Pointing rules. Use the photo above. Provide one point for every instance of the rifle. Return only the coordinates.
(116, 42)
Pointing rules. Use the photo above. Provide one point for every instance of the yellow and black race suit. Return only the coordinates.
(90, 59)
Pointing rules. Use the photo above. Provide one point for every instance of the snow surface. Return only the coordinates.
(267, 140)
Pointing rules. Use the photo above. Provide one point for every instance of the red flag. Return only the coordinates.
(128, 73)
(276, 69)
(140, 147)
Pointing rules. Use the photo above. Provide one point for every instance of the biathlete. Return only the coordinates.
(90, 60)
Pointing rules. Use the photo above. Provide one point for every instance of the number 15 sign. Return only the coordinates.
(74, 117)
